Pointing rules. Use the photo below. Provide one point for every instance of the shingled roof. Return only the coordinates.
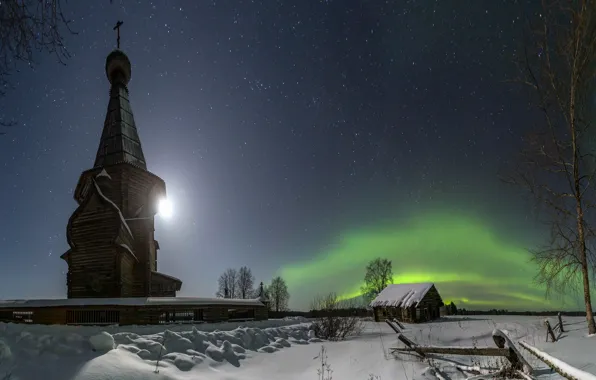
(402, 295)
(119, 139)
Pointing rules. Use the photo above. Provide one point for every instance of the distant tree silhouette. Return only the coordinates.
(379, 274)
(278, 294)
(245, 283)
(227, 284)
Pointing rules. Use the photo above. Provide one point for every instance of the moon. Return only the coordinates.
(164, 208)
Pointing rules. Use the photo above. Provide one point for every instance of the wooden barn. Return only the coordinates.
(413, 303)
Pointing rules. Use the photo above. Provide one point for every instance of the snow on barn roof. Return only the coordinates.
(129, 301)
(402, 295)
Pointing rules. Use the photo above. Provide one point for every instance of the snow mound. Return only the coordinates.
(186, 349)
(135, 352)
(102, 342)
(5, 353)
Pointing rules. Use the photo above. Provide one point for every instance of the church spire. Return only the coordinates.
(119, 139)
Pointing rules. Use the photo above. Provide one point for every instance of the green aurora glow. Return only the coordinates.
(470, 265)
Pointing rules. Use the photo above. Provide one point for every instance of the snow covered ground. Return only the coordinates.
(275, 349)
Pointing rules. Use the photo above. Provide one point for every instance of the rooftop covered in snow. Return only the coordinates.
(402, 295)
(129, 301)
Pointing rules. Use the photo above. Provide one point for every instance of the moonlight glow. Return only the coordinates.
(165, 209)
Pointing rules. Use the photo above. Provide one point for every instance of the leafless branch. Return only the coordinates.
(557, 166)
(330, 323)
(28, 27)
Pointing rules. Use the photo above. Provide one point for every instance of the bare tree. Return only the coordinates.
(227, 284)
(379, 274)
(329, 323)
(278, 294)
(245, 283)
(26, 27)
(557, 164)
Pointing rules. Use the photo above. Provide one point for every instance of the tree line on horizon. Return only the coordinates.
(240, 284)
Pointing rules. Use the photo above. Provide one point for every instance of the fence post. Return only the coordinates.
(560, 323)
(549, 331)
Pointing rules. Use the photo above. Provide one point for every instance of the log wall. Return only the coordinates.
(126, 274)
(92, 261)
(215, 314)
(127, 315)
(261, 314)
(430, 305)
(96, 232)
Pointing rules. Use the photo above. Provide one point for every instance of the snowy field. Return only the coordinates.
(275, 349)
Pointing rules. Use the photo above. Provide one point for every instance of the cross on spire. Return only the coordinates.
(117, 29)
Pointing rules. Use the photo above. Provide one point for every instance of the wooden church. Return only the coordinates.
(112, 261)
(113, 251)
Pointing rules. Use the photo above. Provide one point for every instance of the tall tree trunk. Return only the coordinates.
(579, 208)
(584, 271)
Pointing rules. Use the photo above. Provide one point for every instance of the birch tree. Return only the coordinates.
(278, 294)
(379, 274)
(557, 163)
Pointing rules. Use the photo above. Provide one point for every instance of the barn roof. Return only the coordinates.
(402, 295)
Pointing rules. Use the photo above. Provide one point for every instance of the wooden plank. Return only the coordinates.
(561, 328)
(549, 331)
(393, 327)
(473, 351)
(398, 323)
(514, 356)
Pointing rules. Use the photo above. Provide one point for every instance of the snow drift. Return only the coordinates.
(26, 352)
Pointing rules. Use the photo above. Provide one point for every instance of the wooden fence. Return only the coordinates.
(505, 348)
(554, 332)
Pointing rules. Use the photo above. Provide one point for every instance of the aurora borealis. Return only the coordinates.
(471, 265)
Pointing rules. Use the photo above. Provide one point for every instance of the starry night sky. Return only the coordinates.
(300, 138)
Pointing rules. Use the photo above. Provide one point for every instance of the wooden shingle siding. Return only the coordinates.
(117, 256)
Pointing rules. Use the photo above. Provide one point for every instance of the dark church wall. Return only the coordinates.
(126, 272)
(92, 263)
(138, 189)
